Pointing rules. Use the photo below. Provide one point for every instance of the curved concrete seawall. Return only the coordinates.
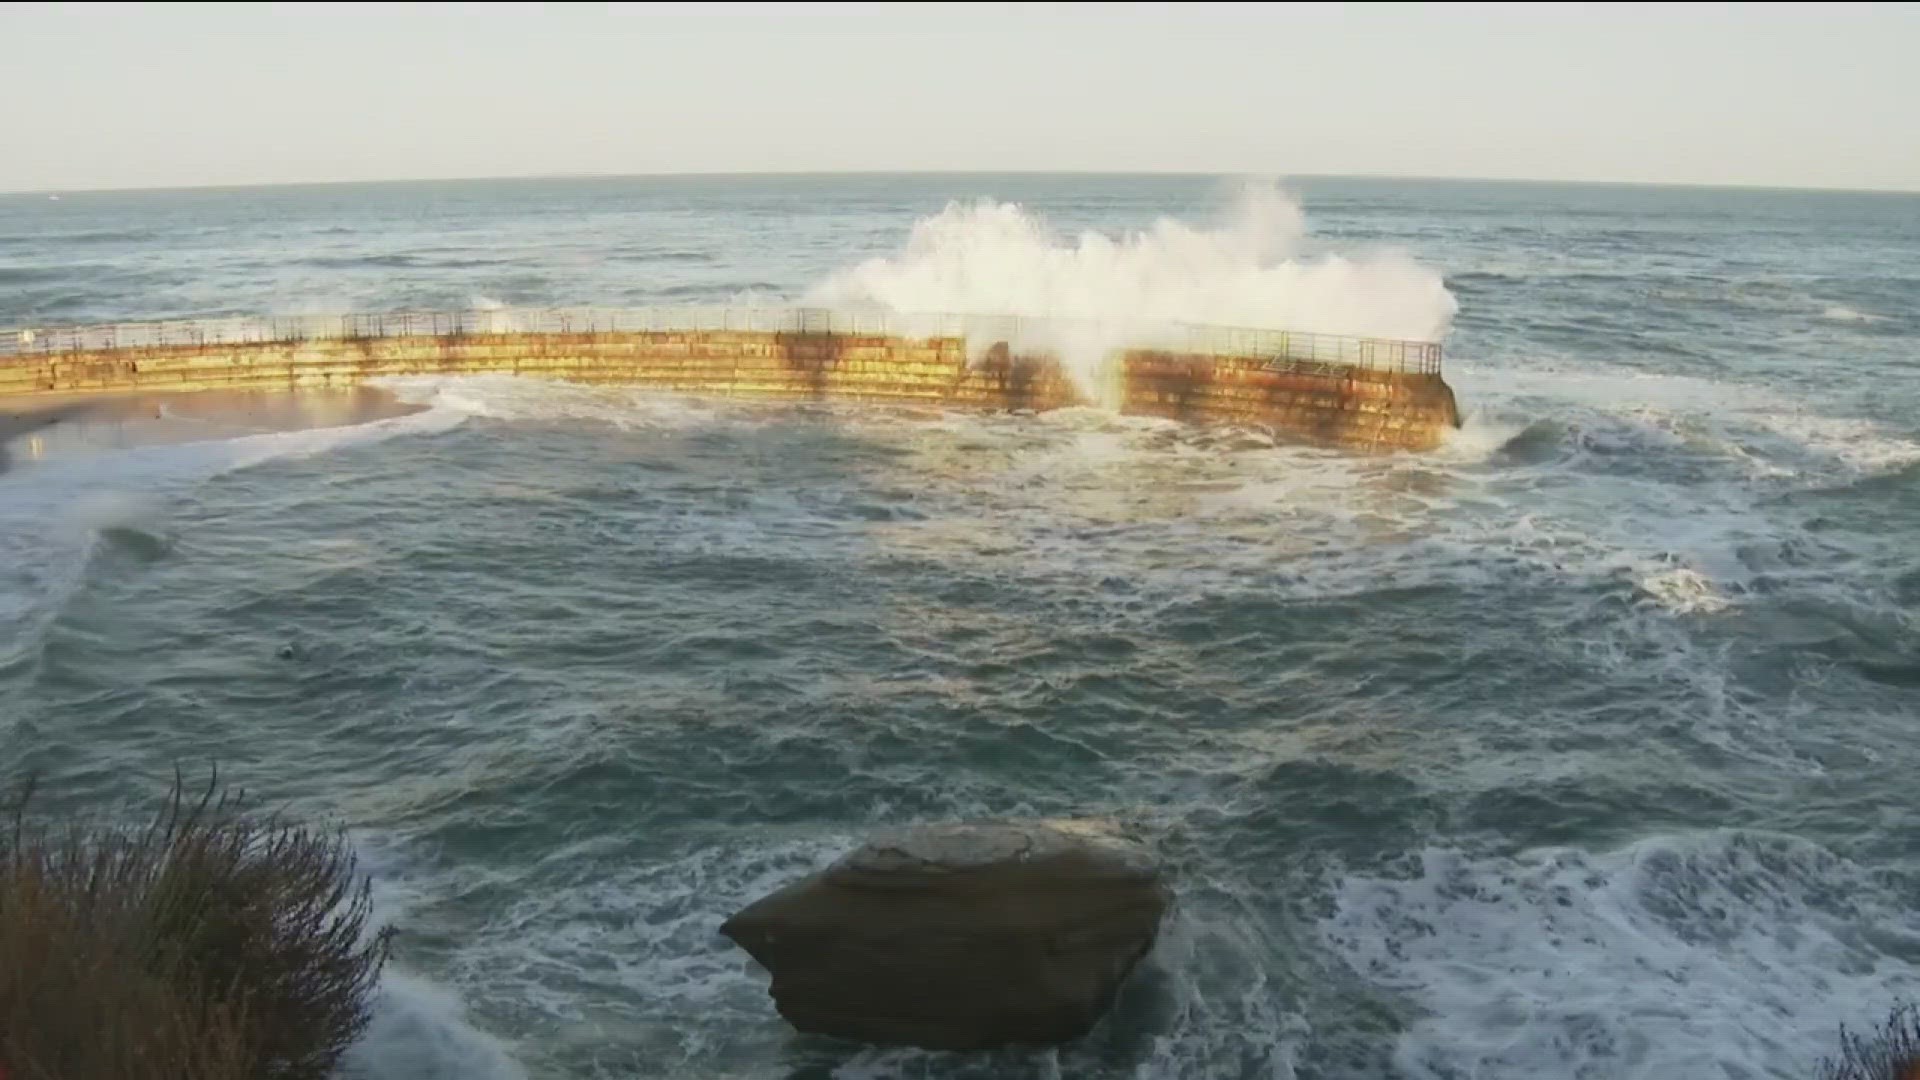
(1348, 405)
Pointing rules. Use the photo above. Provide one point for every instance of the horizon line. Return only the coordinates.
(813, 173)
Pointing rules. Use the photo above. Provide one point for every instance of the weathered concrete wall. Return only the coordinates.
(1323, 403)
(1332, 405)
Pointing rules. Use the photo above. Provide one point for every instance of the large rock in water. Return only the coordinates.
(959, 937)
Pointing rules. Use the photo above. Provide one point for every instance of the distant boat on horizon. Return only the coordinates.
(53, 198)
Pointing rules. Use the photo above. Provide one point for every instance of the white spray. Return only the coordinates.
(1083, 298)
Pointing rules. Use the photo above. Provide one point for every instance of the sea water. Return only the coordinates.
(1580, 747)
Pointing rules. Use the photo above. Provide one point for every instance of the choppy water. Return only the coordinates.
(1580, 748)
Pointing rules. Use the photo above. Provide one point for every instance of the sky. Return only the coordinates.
(104, 96)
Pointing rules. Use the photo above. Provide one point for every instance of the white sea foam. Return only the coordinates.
(1844, 314)
(571, 955)
(495, 317)
(1088, 295)
(1684, 591)
(515, 398)
(1679, 408)
(55, 507)
(418, 1028)
(1350, 524)
(1478, 438)
(1579, 500)
(419, 1031)
(1858, 444)
(1715, 954)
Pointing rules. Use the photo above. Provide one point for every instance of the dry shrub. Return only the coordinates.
(1889, 1052)
(212, 944)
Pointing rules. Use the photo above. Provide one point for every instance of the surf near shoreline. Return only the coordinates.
(38, 425)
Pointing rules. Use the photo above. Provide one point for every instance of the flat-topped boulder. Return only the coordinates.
(961, 936)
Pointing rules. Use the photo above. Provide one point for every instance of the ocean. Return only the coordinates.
(1581, 747)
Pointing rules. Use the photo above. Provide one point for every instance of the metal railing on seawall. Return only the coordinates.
(1277, 347)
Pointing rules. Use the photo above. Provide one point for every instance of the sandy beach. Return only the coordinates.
(34, 426)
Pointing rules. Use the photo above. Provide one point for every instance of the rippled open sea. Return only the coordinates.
(1582, 747)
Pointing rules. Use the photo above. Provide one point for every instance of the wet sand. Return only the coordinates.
(34, 426)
